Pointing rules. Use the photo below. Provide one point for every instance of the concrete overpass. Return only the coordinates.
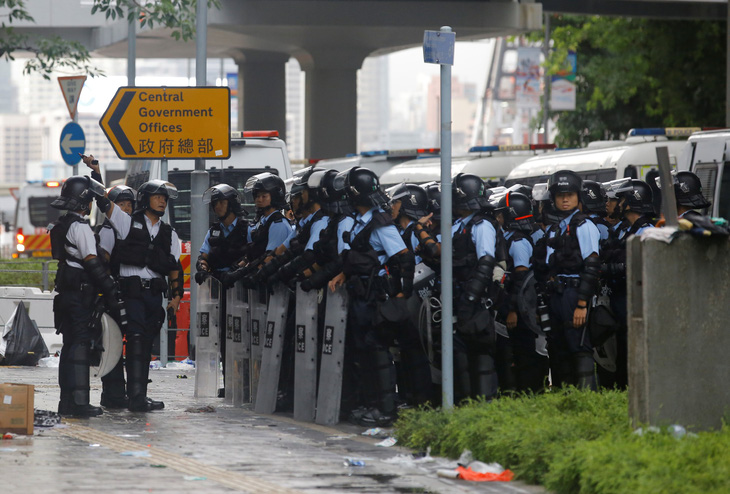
(330, 39)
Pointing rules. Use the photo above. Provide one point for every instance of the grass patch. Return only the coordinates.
(25, 272)
(573, 441)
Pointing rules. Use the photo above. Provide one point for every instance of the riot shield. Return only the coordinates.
(527, 304)
(333, 354)
(207, 368)
(305, 356)
(238, 346)
(605, 353)
(111, 341)
(257, 299)
(273, 344)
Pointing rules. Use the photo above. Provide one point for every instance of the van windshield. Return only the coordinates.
(41, 212)
(179, 208)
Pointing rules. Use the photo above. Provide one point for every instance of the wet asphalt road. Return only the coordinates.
(204, 445)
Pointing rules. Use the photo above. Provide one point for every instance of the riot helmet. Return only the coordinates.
(362, 187)
(151, 188)
(593, 196)
(332, 200)
(300, 184)
(688, 191)
(639, 199)
(77, 193)
(120, 193)
(516, 209)
(469, 192)
(265, 182)
(413, 199)
(220, 192)
(562, 182)
(433, 192)
(544, 210)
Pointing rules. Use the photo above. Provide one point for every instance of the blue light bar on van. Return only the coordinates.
(511, 147)
(483, 149)
(351, 155)
(374, 153)
(668, 131)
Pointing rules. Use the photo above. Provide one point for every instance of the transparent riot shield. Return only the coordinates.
(207, 348)
(273, 344)
(258, 303)
(332, 358)
(111, 341)
(238, 346)
(305, 356)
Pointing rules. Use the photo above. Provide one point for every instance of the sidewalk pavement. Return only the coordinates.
(204, 445)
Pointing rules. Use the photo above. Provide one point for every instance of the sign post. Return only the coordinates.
(438, 47)
(169, 122)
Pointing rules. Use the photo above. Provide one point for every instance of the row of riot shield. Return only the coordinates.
(255, 324)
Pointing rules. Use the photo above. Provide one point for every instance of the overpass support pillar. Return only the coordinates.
(262, 91)
(331, 104)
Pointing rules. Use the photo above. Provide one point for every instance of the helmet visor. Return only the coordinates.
(615, 187)
(96, 189)
(540, 192)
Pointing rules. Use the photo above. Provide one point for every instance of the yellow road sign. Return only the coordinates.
(169, 122)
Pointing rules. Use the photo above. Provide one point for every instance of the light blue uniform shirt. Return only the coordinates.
(346, 224)
(638, 232)
(384, 239)
(302, 223)
(520, 251)
(588, 238)
(205, 248)
(316, 230)
(483, 235)
(278, 232)
(602, 229)
(537, 235)
(414, 241)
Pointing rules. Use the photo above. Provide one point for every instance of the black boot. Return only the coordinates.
(584, 369)
(138, 370)
(484, 376)
(383, 381)
(76, 368)
(65, 405)
(114, 394)
(462, 381)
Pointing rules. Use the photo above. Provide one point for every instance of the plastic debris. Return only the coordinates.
(194, 477)
(354, 462)
(465, 458)
(186, 364)
(8, 435)
(387, 443)
(155, 364)
(413, 459)
(7, 450)
(481, 467)
(469, 474)
(677, 431)
(136, 454)
(447, 474)
(51, 361)
(182, 376)
(128, 435)
(372, 432)
(94, 445)
(46, 418)
(205, 409)
(640, 431)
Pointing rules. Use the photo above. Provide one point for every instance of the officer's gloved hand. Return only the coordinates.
(103, 203)
(201, 276)
(306, 284)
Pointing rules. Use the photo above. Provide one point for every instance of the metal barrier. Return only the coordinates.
(42, 279)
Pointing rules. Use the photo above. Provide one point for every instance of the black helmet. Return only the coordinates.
(414, 201)
(223, 191)
(688, 190)
(516, 209)
(266, 182)
(593, 196)
(362, 187)
(469, 192)
(639, 199)
(334, 201)
(151, 188)
(433, 192)
(120, 193)
(564, 181)
(77, 193)
(301, 183)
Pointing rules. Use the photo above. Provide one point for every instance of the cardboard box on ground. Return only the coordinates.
(16, 408)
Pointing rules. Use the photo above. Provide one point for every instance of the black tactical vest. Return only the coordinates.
(68, 278)
(641, 222)
(113, 263)
(138, 249)
(260, 236)
(516, 235)
(226, 250)
(465, 251)
(362, 258)
(301, 239)
(567, 258)
(325, 249)
(407, 236)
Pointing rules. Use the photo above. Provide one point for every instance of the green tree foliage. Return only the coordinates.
(639, 73)
(55, 54)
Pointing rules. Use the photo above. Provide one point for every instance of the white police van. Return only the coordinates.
(706, 154)
(604, 161)
(378, 162)
(491, 163)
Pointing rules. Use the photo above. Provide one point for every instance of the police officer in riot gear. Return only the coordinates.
(637, 207)
(149, 250)
(81, 274)
(378, 269)
(574, 267)
(514, 214)
(594, 199)
(475, 236)
(688, 194)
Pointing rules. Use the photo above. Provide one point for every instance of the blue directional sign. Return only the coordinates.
(73, 142)
(438, 47)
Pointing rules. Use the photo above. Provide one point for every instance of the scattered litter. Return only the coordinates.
(465, 458)
(46, 418)
(7, 450)
(640, 431)
(155, 364)
(181, 376)
(51, 361)
(353, 462)
(186, 364)
(412, 459)
(205, 409)
(481, 467)
(149, 432)
(447, 474)
(372, 432)
(94, 445)
(387, 443)
(136, 454)
(193, 477)
(8, 435)
(677, 431)
(128, 435)
(469, 474)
